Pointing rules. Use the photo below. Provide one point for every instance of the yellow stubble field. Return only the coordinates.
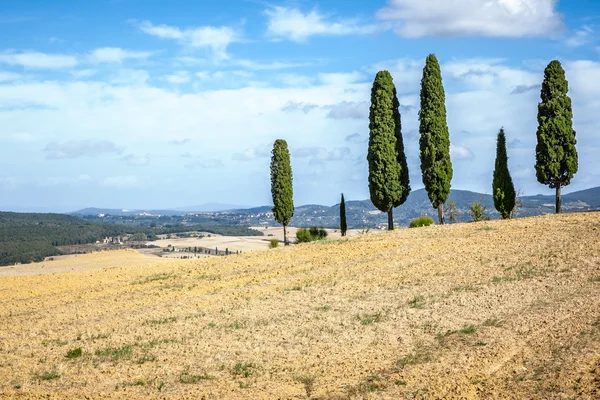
(499, 309)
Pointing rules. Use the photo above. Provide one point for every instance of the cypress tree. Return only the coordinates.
(281, 185)
(388, 172)
(436, 166)
(502, 186)
(343, 225)
(555, 153)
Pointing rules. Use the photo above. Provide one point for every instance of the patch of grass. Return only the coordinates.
(74, 353)
(309, 384)
(294, 289)
(46, 375)
(518, 272)
(597, 323)
(417, 302)
(211, 324)
(368, 319)
(465, 288)
(154, 278)
(479, 343)
(160, 321)
(487, 228)
(400, 382)
(595, 278)
(421, 221)
(187, 378)
(114, 353)
(244, 385)
(419, 355)
(243, 369)
(467, 330)
(145, 358)
(237, 325)
(492, 322)
(324, 308)
(99, 336)
(273, 243)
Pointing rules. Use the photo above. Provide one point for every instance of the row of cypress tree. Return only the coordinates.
(389, 185)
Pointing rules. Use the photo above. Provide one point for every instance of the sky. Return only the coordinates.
(153, 104)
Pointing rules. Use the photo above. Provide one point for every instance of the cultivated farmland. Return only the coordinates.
(499, 309)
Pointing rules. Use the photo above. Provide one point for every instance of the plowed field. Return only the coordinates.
(499, 309)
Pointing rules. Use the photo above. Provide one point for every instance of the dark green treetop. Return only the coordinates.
(555, 153)
(281, 183)
(503, 189)
(343, 224)
(436, 166)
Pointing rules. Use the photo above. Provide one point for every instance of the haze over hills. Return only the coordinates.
(360, 213)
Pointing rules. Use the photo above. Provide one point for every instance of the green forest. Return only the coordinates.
(30, 237)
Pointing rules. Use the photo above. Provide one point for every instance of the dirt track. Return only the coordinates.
(501, 309)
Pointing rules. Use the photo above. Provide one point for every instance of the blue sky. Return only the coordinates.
(149, 104)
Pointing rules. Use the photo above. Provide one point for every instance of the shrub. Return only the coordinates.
(424, 220)
(478, 211)
(303, 235)
(273, 243)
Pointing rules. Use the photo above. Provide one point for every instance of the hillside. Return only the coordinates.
(500, 309)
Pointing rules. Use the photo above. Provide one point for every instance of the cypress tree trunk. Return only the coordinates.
(285, 241)
(390, 220)
(558, 203)
(441, 213)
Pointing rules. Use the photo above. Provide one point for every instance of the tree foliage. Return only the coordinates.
(555, 153)
(388, 171)
(503, 188)
(281, 185)
(436, 166)
(343, 224)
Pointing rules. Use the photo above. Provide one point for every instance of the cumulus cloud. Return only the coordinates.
(116, 55)
(121, 182)
(349, 110)
(180, 142)
(80, 148)
(36, 60)
(217, 39)
(580, 37)
(293, 24)
(178, 77)
(136, 161)
(260, 151)
(320, 155)
(524, 88)
(458, 152)
(495, 18)
(292, 106)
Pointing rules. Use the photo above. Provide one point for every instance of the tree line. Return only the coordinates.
(388, 180)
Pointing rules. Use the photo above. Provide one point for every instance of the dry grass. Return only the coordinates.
(437, 312)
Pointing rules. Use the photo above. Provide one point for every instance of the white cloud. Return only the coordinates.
(217, 39)
(136, 161)
(349, 110)
(79, 148)
(36, 60)
(458, 152)
(580, 37)
(274, 65)
(116, 55)
(83, 73)
(496, 18)
(260, 151)
(9, 76)
(178, 77)
(320, 155)
(121, 182)
(293, 24)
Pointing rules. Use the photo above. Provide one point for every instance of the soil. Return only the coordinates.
(491, 310)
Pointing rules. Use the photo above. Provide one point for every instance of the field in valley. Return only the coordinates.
(498, 309)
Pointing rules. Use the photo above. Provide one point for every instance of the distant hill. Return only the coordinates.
(360, 213)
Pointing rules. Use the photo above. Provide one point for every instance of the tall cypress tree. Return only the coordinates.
(436, 166)
(281, 185)
(388, 174)
(555, 154)
(343, 225)
(502, 186)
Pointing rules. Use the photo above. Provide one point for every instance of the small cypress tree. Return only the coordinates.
(436, 166)
(384, 170)
(502, 186)
(281, 185)
(343, 225)
(556, 158)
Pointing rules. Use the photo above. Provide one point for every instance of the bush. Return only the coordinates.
(424, 220)
(478, 211)
(313, 234)
(273, 243)
(303, 236)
